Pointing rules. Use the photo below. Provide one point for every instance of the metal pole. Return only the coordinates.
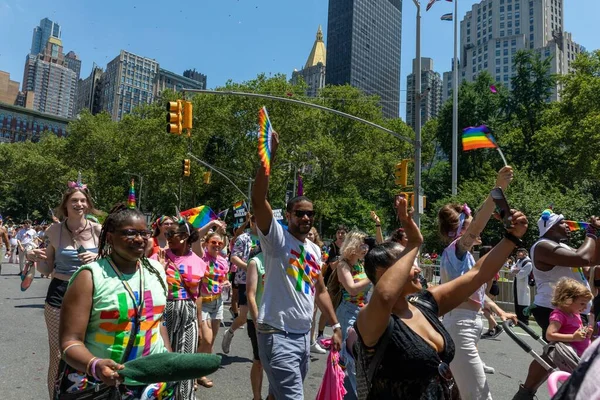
(179, 198)
(417, 111)
(295, 181)
(455, 105)
(218, 172)
(249, 194)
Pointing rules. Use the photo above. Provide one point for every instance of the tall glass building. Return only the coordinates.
(363, 48)
(42, 33)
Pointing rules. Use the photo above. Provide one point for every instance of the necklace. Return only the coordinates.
(79, 232)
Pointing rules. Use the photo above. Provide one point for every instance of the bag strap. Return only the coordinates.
(380, 352)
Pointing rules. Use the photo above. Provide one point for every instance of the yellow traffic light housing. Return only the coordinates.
(206, 177)
(188, 117)
(186, 167)
(174, 117)
(401, 173)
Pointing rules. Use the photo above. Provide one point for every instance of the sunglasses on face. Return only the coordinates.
(302, 213)
(131, 234)
(216, 243)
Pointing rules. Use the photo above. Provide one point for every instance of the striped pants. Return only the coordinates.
(182, 326)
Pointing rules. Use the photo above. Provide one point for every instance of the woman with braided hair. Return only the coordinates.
(113, 312)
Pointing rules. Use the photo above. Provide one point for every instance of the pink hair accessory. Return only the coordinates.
(466, 210)
(77, 185)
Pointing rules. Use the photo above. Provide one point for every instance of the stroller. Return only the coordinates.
(558, 359)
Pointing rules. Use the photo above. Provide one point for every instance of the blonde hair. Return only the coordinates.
(567, 290)
(317, 240)
(352, 242)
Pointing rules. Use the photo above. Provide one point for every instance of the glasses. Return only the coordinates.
(131, 234)
(216, 243)
(444, 371)
(302, 213)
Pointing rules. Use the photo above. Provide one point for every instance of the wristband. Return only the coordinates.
(93, 368)
(517, 242)
(87, 369)
(336, 326)
(64, 353)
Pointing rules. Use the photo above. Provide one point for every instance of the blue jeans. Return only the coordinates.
(285, 358)
(346, 314)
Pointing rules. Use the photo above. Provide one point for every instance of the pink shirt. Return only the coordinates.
(183, 275)
(216, 274)
(570, 323)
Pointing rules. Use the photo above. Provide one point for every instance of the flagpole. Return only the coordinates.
(417, 113)
(455, 105)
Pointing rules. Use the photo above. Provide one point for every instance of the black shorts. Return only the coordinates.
(495, 289)
(242, 298)
(253, 339)
(56, 292)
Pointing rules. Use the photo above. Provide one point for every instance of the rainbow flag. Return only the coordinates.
(239, 204)
(199, 216)
(477, 137)
(576, 226)
(131, 197)
(265, 137)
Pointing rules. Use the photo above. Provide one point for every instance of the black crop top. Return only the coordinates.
(409, 369)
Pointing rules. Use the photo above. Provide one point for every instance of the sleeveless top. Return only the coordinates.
(409, 369)
(184, 274)
(545, 280)
(358, 274)
(113, 312)
(451, 267)
(215, 275)
(65, 260)
(260, 281)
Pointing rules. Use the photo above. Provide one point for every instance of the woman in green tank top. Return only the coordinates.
(113, 312)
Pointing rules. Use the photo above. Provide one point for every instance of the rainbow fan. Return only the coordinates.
(576, 226)
(131, 197)
(199, 216)
(265, 138)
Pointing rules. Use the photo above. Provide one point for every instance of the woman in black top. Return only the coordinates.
(415, 360)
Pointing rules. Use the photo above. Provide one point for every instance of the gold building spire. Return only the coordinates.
(318, 52)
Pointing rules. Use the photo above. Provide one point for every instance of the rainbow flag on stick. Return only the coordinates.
(131, 197)
(480, 137)
(199, 216)
(239, 204)
(576, 226)
(265, 138)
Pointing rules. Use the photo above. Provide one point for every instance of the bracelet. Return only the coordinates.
(336, 326)
(88, 365)
(517, 242)
(64, 353)
(93, 368)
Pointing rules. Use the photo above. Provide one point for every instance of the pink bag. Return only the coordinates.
(332, 387)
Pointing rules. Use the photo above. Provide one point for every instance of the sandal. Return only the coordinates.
(204, 381)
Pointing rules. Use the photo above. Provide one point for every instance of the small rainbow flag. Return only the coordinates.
(199, 216)
(265, 137)
(576, 226)
(477, 137)
(239, 204)
(131, 197)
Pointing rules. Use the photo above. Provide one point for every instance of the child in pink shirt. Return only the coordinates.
(570, 299)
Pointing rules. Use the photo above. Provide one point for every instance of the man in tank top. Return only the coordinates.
(552, 259)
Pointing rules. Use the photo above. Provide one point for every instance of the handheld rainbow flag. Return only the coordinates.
(576, 226)
(265, 138)
(480, 137)
(239, 204)
(131, 197)
(199, 216)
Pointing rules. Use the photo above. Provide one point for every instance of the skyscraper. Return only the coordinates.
(42, 33)
(431, 101)
(73, 63)
(313, 72)
(89, 92)
(363, 48)
(197, 76)
(128, 82)
(494, 30)
(170, 80)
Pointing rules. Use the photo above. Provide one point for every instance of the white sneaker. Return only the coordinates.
(488, 370)
(317, 349)
(226, 343)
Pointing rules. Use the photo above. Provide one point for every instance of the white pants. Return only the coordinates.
(465, 328)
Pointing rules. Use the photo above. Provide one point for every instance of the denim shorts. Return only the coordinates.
(212, 310)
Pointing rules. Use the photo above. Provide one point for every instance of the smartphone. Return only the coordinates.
(502, 206)
(81, 249)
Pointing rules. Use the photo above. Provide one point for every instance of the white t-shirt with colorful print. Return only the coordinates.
(292, 268)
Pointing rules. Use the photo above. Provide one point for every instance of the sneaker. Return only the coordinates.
(489, 334)
(317, 349)
(499, 329)
(488, 370)
(226, 343)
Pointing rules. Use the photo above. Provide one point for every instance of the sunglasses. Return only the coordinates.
(302, 213)
(216, 243)
(444, 371)
(131, 234)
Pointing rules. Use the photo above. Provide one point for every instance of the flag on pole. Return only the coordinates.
(576, 225)
(477, 137)
(199, 216)
(430, 4)
(493, 89)
(223, 214)
(446, 17)
(239, 204)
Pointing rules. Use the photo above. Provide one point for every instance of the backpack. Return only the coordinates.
(335, 289)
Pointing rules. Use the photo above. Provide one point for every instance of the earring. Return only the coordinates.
(181, 241)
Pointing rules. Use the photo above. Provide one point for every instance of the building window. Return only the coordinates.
(501, 33)
(505, 60)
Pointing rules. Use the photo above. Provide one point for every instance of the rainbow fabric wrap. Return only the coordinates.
(265, 137)
(577, 226)
(477, 137)
(199, 216)
(131, 197)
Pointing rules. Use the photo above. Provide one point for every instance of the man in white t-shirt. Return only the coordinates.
(293, 282)
(24, 237)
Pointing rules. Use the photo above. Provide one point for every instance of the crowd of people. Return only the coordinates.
(122, 290)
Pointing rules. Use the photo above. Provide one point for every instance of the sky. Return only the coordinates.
(228, 39)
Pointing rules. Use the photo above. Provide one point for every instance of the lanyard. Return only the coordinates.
(138, 306)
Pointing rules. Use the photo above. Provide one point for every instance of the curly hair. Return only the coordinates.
(448, 220)
(352, 242)
(567, 290)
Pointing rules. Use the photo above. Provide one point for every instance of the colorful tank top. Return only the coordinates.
(358, 274)
(113, 311)
(215, 275)
(184, 274)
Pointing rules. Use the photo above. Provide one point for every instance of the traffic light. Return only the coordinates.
(206, 177)
(187, 117)
(401, 173)
(174, 117)
(411, 200)
(186, 167)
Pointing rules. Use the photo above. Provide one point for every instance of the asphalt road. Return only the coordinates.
(24, 352)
